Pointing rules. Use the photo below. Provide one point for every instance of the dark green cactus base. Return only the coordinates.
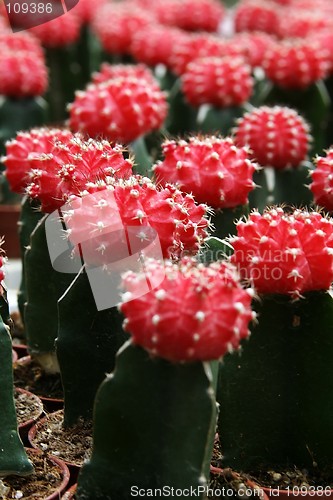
(13, 459)
(44, 286)
(275, 397)
(30, 215)
(292, 187)
(313, 103)
(87, 343)
(259, 198)
(20, 114)
(220, 121)
(154, 425)
(181, 119)
(224, 221)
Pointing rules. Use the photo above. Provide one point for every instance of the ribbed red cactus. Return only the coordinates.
(26, 146)
(155, 44)
(211, 168)
(179, 222)
(277, 136)
(191, 15)
(196, 313)
(252, 45)
(296, 64)
(120, 110)
(71, 167)
(21, 41)
(322, 180)
(285, 253)
(112, 71)
(86, 9)
(222, 82)
(23, 73)
(196, 46)
(116, 23)
(59, 32)
(257, 15)
(300, 24)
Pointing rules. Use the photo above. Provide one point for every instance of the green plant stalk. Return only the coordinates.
(219, 120)
(44, 286)
(15, 115)
(13, 458)
(224, 220)
(181, 119)
(281, 384)
(154, 425)
(313, 103)
(86, 346)
(29, 217)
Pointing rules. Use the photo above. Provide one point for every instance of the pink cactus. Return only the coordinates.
(2, 261)
(296, 64)
(71, 167)
(285, 253)
(277, 136)
(211, 168)
(120, 110)
(179, 222)
(222, 82)
(116, 36)
(26, 146)
(60, 32)
(196, 313)
(112, 71)
(23, 73)
(322, 180)
(257, 15)
(21, 41)
(191, 15)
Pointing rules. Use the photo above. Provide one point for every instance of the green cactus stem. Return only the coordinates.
(154, 425)
(214, 249)
(142, 159)
(260, 197)
(17, 114)
(313, 103)
(13, 458)
(29, 217)
(281, 385)
(291, 186)
(182, 117)
(87, 343)
(44, 286)
(224, 220)
(218, 120)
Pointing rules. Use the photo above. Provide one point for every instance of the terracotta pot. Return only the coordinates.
(21, 350)
(74, 469)
(15, 356)
(293, 492)
(9, 216)
(26, 426)
(50, 404)
(69, 495)
(251, 485)
(64, 472)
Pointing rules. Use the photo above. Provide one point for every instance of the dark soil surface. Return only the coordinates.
(32, 378)
(28, 407)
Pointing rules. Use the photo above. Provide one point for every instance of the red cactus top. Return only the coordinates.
(322, 180)
(121, 109)
(108, 207)
(23, 73)
(277, 136)
(286, 253)
(193, 313)
(212, 168)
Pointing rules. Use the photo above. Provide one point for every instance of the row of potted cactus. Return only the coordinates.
(183, 226)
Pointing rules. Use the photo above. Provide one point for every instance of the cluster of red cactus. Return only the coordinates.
(208, 309)
(179, 222)
(322, 181)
